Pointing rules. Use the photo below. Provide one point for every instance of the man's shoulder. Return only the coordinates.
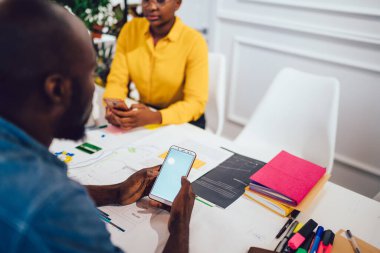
(28, 182)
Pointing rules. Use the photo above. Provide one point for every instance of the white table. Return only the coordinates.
(246, 223)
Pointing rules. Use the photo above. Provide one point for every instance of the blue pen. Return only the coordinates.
(317, 239)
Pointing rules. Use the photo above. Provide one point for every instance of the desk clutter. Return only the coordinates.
(286, 183)
(219, 178)
(315, 239)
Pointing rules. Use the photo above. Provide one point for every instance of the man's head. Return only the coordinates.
(46, 68)
(160, 12)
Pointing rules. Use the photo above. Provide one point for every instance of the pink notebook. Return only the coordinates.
(286, 178)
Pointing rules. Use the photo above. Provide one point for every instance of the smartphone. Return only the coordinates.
(116, 103)
(177, 164)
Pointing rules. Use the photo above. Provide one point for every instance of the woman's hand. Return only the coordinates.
(112, 118)
(138, 115)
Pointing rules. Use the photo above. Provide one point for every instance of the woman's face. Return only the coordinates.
(160, 12)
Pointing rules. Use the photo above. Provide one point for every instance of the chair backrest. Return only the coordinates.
(216, 105)
(299, 114)
(98, 110)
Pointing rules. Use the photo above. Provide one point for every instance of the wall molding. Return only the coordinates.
(316, 6)
(357, 164)
(238, 41)
(232, 116)
(298, 27)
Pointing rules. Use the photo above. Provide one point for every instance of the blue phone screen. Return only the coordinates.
(168, 183)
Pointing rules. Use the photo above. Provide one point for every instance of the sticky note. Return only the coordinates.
(152, 126)
(88, 148)
(196, 165)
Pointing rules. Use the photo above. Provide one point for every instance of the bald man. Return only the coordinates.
(46, 86)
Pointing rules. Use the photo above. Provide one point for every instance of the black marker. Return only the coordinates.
(293, 216)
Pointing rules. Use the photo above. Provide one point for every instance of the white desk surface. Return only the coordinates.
(246, 223)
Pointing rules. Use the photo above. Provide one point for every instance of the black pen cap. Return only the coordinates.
(294, 213)
(332, 237)
(308, 228)
(328, 237)
(302, 234)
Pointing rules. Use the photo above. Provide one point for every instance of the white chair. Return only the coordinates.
(215, 109)
(298, 114)
(377, 197)
(98, 110)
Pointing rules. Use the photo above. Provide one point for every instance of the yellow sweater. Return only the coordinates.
(171, 76)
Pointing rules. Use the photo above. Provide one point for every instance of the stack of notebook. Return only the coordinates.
(286, 183)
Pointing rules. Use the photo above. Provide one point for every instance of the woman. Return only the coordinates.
(168, 63)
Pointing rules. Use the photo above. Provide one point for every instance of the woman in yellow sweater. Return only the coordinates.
(167, 61)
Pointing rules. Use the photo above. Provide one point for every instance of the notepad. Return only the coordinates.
(273, 205)
(286, 178)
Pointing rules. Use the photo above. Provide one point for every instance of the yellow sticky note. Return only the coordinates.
(196, 165)
(152, 126)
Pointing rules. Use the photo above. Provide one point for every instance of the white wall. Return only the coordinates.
(342, 40)
(196, 13)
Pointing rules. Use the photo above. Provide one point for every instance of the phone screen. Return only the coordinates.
(177, 164)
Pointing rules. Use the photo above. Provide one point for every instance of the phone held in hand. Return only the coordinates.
(116, 104)
(177, 164)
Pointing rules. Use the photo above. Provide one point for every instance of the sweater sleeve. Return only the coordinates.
(118, 78)
(195, 88)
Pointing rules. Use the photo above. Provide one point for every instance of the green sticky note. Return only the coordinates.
(88, 148)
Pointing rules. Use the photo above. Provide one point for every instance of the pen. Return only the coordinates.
(104, 213)
(104, 217)
(284, 240)
(293, 215)
(317, 239)
(108, 220)
(327, 241)
(353, 242)
(228, 150)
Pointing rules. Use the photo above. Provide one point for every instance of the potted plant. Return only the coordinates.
(98, 15)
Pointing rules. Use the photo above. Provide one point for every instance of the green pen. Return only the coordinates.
(304, 248)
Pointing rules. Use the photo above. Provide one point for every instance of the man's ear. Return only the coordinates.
(58, 90)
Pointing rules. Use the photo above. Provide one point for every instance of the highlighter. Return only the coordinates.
(317, 239)
(325, 245)
(298, 227)
(301, 235)
(304, 248)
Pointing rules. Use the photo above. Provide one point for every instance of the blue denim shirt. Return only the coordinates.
(41, 209)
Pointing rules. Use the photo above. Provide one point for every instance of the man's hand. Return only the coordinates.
(138, 185)
(134, 188)
(182, 208)
(138, 115)
(180, 214)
